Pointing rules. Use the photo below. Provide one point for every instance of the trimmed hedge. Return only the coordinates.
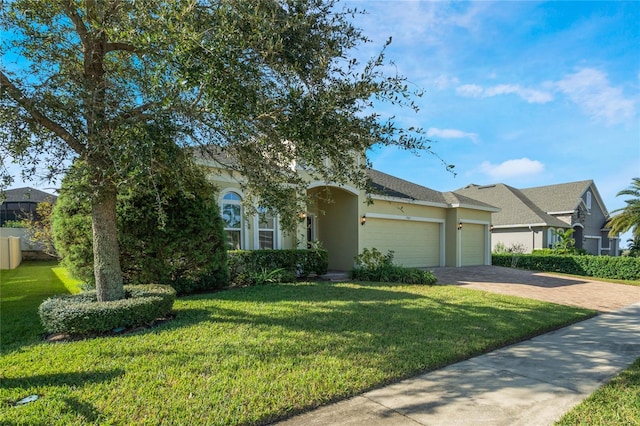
(81, 314)
(395, 274)
(248, 267)
(619, 268)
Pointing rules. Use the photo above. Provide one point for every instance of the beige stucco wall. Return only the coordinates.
(337, 223)
(525, 237)
(404, 209)
(451, 233)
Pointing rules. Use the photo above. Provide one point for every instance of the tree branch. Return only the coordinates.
(77, 23)
(25, 102)
(110, 47)
(131, 114)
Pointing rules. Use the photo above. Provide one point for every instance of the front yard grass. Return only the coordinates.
(21, 292)
(616, 403)
(254, 355)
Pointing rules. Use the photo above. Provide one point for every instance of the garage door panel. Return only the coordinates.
(473, 244)
(415, 244)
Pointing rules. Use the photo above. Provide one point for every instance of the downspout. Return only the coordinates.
(533, 238)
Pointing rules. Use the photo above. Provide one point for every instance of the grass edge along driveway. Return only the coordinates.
(615, 403)
(254, 355)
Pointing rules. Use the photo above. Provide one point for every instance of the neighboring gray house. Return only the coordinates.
(16, 204)
(529, 216)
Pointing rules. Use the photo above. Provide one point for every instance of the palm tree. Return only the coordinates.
(628, 217)
(634, 246)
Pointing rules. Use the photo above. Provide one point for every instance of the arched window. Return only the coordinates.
(232, 217)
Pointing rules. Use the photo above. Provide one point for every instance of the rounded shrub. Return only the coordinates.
(82, 314)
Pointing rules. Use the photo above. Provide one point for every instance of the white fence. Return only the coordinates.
(25, 244)
(10, 253)
(10, 238)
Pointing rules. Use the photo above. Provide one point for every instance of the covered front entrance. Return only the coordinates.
(333, 222)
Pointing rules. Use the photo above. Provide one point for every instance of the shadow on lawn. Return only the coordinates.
(60, 379)
(376, 321)
(503, 275)
(82, 408)
(385, 332)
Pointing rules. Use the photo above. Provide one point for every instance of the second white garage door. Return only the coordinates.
(415, 244)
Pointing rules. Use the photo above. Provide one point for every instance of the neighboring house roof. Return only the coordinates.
(25, 195)
(516, 209)
(391, 186)
(564, 197)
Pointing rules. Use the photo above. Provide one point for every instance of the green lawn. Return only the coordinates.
(616, 403)
(252, 355)
(21, 291)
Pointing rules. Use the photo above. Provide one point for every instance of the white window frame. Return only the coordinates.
(241, 229)
(275, 230)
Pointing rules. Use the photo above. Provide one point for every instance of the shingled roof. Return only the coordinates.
(391, 186)
(564, 197)
(516, 207)
(26, 194)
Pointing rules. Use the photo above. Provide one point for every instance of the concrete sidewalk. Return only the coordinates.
(530, 383)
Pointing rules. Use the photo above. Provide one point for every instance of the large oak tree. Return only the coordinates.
(269, 82)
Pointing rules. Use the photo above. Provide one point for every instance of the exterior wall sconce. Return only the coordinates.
(491, 228)
(302, 216)
(459, 226)
(363, 219)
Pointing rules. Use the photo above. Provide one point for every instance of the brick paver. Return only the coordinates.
(583, 292)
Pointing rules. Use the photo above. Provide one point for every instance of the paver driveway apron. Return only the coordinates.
(585, 292)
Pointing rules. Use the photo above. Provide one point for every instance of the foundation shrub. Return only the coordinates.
(372, 265)
(251, 267)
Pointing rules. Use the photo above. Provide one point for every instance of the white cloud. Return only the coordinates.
(444, 81)
(512, 168)
(531, 96)
(434, 132)
(470, 90)
(591, 91)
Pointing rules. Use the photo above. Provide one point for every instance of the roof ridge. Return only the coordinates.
(585, 181)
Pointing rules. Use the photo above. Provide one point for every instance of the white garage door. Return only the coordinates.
(473, 244)
(415, 244)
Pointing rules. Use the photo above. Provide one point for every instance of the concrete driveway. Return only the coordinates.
(583, 292)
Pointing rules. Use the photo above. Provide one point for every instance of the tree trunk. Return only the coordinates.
(106, 252)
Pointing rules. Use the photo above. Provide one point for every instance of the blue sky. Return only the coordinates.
(519, 92)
